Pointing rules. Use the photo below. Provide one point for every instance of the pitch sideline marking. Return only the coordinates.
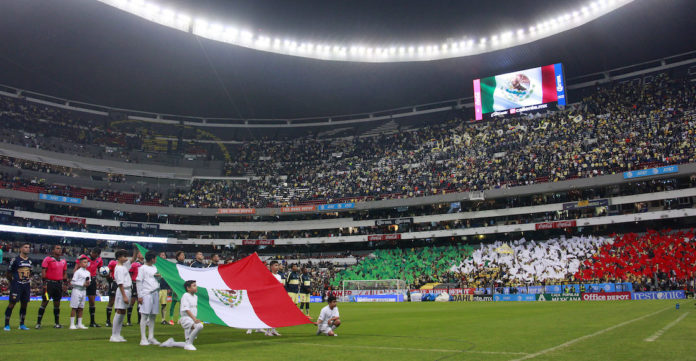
(402, 348)
(664, 329)
(581, 338)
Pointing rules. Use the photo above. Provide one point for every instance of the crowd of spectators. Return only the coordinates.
(522, 262)
(37, 252)
(35, 166)
(40, 185)
(78, 224)
(12, 247)
(618, 127)
(321, 271)
(415, 266)
(652, 261)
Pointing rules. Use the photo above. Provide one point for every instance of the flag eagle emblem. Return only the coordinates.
(229, 298)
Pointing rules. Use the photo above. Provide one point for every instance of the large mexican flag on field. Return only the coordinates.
(243, 294)
(518, 89)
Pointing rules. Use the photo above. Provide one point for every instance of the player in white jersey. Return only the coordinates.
(328, 319)
(123, 294)
(189, 321)
(275, 267)
(80, 281)
(148, 297)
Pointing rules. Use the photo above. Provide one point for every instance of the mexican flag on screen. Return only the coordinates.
(519, 89)
(243, 294)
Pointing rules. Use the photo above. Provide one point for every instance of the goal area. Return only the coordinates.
(352, 288)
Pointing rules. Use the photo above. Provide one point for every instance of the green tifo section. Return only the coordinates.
(406, 264)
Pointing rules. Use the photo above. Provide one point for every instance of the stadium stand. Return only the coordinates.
(523, 262)
(625, 258)
(655, 260)
(416, 266)
(618, 127)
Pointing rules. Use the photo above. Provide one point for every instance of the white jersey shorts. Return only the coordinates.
(324, 329)
(150, 305)
(77, 298)
(186, 322)
(118, 302)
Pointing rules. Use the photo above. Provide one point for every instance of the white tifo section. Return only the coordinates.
(240, 316)
(533, 260)
(664, 329)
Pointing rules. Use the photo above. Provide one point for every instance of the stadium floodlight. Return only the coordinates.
(231, 34)
(152, 11)
(168, 15)
(247, 36)
(200, 27)
(82, 235)
(216, 31)
(263, 41)
(183, 22)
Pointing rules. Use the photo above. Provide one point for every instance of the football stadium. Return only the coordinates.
(363, 180)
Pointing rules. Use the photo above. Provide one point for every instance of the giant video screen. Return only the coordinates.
(519, 91)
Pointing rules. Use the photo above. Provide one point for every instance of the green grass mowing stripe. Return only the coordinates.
(407, 331)
(401, 348)
(659, 333)
(582, 338)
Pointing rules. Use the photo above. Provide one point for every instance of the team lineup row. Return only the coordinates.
(148, 293)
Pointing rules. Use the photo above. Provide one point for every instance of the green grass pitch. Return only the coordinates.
(406, 331)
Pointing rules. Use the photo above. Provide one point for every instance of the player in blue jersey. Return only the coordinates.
(292, 283)
(19, 273)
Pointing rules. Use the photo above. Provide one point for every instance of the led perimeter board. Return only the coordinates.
(519, 91)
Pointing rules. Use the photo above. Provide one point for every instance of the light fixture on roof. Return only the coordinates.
(152, 11)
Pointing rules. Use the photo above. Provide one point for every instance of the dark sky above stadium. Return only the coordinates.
(87, 51)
